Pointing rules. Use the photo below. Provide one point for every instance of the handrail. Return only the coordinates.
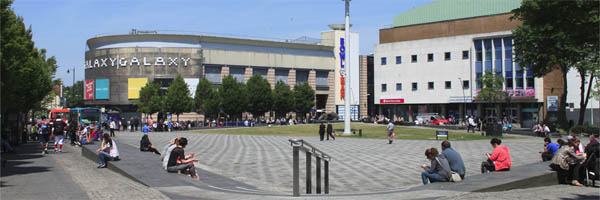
(313, 149)
(301, 145)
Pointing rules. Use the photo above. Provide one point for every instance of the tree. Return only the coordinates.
(178, 98)
(492, 88)
(150, 100)
(557, 35)
(304, 98)
(260, 98)
(74, 98)
(204, 92)
(283, 99)
(233, 97)
(26, 72)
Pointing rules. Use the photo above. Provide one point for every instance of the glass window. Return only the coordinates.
(383, 60)
(413, 58)
(448, 85)
(519, 83)
(498, 49)
(430, 85)
(466, 84)
(488, 49)
(398, 59)
(478, 80)
(322, 80)
(507, 48)
(262, 71)
(447, 56)
(478, 52)
(430, 57)
(509, 83)
(281, 75)
(530, 83)
(301, 77)
(414, 86)
(384, 87)
(237, 73)
(465, 55)
(398, 86)
(213, 74)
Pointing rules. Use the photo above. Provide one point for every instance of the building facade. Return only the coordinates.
(118, 66)
(435, 64)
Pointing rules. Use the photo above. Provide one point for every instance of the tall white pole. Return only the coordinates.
(347, 130)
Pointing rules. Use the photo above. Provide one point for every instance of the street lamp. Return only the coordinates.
(347, 130)
(72, 86)
(464, 97)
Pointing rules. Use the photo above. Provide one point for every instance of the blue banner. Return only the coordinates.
(102, 89)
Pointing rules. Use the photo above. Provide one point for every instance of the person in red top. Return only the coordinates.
(499, 160)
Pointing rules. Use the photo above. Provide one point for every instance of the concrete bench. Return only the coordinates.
(525, 176)
(146, 168)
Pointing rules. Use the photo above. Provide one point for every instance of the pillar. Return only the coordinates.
(271, 77)
(292, 78)
(224, 72)
(248, 73)
(330, 107)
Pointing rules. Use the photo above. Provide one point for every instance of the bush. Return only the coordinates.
(586, 129)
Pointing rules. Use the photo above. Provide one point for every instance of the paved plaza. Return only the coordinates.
(359, 166)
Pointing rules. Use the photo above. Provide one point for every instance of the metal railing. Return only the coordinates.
(301, 145)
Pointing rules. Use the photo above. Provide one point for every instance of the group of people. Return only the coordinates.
(329, 131)
(449, 166)
(541, 130)
(570, 158)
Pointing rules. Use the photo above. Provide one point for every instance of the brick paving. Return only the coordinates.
(359, 166)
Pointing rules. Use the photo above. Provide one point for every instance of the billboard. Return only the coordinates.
(552, 103)
(102, 89)
(89, 90)
(192, 83)
(134, 85)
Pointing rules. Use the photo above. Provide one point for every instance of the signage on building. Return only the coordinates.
(342, 70)
(383, 101)
(134, 85)
(134, 61)
(464, 99)
(89, 90)
(552, 103)
(192, 83)
(515, 93)
(102, 91)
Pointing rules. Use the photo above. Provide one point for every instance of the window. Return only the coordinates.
(465, 84)
(447, 56)
(383, 60)
(465, 55)
(383, 87)
(430, 85)
(301, 77)
(237, 73)
(430, 57)
(413, 58)
(213, 74)
(414, 86)
(519, 83)
(398, 86)
(448, 85)
(322, 79)
(530, 83)
(571, 105)
(281, 75)
(398, 59)
(509, 83)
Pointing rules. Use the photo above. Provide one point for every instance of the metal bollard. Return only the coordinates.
(359, 132)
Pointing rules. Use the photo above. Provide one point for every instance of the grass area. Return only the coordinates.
(368, 131)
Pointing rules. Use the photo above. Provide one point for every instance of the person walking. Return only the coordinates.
(322, 131)
(112, 126)
(330, 131)
(59, 133)
(72, 131)
(44, 135)
(471, 124)
(390, 132)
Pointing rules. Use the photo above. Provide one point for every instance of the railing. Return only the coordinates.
(301, 145)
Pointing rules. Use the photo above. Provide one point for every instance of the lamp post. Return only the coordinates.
(72, 86)
(347, 130)
(462, 86)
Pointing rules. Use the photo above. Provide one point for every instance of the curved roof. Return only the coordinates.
(445, 10)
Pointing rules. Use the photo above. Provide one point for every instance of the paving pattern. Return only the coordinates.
(359, 166)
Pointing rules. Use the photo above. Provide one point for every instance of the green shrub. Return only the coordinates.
(586, 129)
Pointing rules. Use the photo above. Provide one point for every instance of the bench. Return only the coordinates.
(146, 168)
(520, 177)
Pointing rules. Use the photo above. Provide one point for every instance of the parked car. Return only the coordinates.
(438, 121)
(430, 118)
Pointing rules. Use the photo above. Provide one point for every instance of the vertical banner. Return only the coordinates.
(134, 85)
(89, 90)
(102, 89)
(192, 83)
(552, 103)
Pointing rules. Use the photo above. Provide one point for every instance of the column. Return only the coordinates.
(330, 107)
(248, 73)
(271, 77)
(312, 79)
(224, 72)
(292, 78)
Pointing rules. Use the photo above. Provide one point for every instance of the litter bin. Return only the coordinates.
(493, 129)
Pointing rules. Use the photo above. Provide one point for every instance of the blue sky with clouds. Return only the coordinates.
(63, 26)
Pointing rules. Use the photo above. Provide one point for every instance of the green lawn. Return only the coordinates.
(368, 130)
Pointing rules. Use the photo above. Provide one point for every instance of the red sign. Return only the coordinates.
(89, 89)
(391, 100)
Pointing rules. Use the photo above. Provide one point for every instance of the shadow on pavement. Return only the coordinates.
(24, 153)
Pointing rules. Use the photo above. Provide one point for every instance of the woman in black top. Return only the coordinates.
(146, 145)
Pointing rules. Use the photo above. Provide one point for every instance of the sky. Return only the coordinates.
(62, 27)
